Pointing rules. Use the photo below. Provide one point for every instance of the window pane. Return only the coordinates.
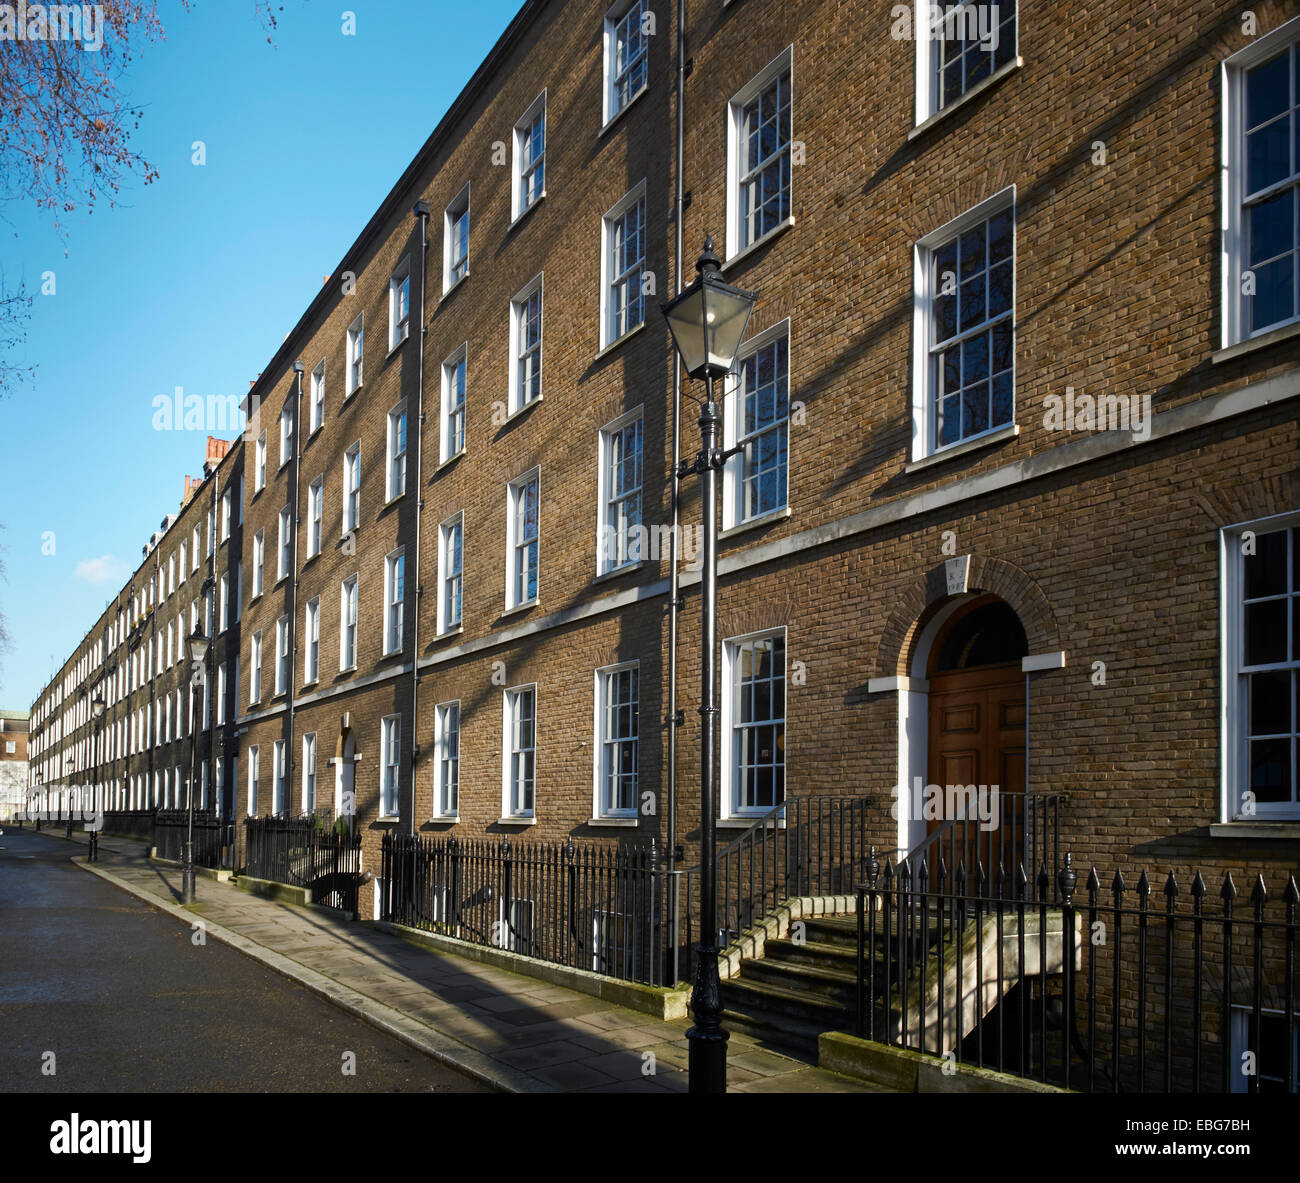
(1266, 568)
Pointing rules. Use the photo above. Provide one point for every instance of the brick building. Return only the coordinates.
(13, 763)
(1014, 498)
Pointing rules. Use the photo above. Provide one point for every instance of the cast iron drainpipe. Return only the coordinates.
(421, 211)
(293, 584)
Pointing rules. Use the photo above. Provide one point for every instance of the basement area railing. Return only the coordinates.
(1126, 987)
(303, 852)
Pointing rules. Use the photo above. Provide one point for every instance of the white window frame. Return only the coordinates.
(510, 700)
(394, 603)
(225, 516)
(309, 772)
(447, 622)
(1239, 1031)
(455, 268)
(729, 803)
(352, 488)
(924, 438)
(196, 552)
(345, 625)
(286, 435)
(259, 561)
(315, 516)
(452, 414)
(1234, 698)
(611, 279)
(604, 743)
(284, 543)
(282, 667)
(523, 126)
(1233, 184)
(614, 536)
(255, 669)
(279, 781)
(399, 294)
(518, 311)
(738, 240)
(733, 473)
(316, 411)
(446, 736)
(927, 63)
(395, 474)
(514, 543)
(612, 107)
(390, 766)
(259, 468)
(355, 373)
(311, 650)
(254, 761)
(221, 694)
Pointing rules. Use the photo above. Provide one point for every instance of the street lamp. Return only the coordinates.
(708, 321)
(97, 713)
(198, 645)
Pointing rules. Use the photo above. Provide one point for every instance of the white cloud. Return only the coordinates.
(105, 569)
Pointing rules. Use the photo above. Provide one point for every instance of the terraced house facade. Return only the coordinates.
(1010, 496)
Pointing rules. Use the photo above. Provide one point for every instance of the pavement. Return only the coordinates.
(512, 1032)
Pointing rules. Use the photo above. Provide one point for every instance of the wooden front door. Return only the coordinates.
(977, 736)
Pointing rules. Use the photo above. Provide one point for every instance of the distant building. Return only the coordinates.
(13, 762)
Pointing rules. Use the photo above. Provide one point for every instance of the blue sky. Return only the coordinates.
(194, 280)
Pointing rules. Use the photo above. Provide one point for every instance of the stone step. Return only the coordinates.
(768, 999)
(788, 1036)
(836, 984)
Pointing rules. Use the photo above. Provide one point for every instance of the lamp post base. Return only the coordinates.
(187, 875)
(706, 1041)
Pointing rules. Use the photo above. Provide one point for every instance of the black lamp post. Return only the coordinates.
(708, 321)
(198, 644)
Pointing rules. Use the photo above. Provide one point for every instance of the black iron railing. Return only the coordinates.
(302, 852)
(994, 830)
(214, 839)
(597, 908)
(807, 846)
(129, 823)
(1093, 988)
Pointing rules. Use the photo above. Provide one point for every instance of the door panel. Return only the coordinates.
(977, 736)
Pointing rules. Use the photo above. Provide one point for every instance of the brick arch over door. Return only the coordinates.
(923, 598)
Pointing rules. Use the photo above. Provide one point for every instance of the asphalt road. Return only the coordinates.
(127, 1003)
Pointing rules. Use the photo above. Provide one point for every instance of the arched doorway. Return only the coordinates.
(976, 727)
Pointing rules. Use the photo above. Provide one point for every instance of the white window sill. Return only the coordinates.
(758, 243)
(516, 821)
(528, 406)
(450, 632)
(396, 345)
(525, 212)
(624, 822)
(615, 572)
(613, 120)
(447, 291)
(1010, 431)
(763, 519)
(743, 822)
(524, 607)
(975, 91)
(393, 500)
(388, 819)
(351, 394)
(1258, 829)
(445, 819)
(1263, 341)
(449, 461)
(348, 669)
(613, 345)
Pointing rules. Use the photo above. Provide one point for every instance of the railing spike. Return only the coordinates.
(1117, 884)
(1292, 894)
(1171, 886)
(1144, 885)
(1094, 880)
(1259, 893)
(1198, 887)
(1229, 889)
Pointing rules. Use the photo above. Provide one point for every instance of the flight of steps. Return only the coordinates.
(795, 991)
